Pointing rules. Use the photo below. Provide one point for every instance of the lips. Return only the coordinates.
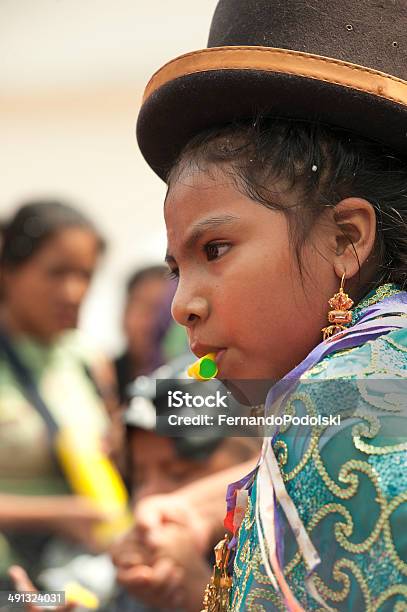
(219, 355)
(200, 350)
(67, 318)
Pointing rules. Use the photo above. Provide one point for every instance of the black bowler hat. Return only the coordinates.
(341, 62)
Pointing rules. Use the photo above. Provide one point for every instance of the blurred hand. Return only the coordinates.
(172, 573)
(193, 566)
(155, 512)
(76, 519)
(22, 583)
(160, 585)
(126, 551)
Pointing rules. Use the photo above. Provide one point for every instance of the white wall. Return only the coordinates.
(72, 73)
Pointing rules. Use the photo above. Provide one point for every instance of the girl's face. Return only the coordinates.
(43, 295)
(240, 292)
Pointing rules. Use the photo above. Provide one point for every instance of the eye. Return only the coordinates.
(214, 250)
(172, 273)
(180, 474)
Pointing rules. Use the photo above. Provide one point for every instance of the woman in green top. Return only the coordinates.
(48, 255)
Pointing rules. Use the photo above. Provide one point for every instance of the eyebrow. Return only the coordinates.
(200, 228)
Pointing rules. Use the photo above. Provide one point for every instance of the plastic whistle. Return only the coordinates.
(205, 368)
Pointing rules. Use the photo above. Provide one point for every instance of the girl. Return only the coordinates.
(287, 190)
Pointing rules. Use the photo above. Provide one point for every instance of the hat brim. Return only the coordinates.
(221, 85)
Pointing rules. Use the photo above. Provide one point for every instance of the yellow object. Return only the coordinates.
(205, 368)
(76, 593)
(91, 474)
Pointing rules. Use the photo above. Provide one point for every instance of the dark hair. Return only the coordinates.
(321, 165)
(23, 235)
(157, 271)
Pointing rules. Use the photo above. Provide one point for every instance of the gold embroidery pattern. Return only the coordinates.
(370, 449)
(340, 576)
(386, 403)
(346, 478)
(249, 515)
(360, 430)
(307, 402)
(380, 293)
(266, 594)
(281, 451)
(396, 345)
(369, 429)
(393, 591)
(260, 575)
(242, 573)
(388, 538)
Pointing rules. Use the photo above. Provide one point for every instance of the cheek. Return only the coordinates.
(30, 288)
(44, 291)
(257, 287)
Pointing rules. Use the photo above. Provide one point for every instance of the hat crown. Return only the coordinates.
(338, 62)
(371, 33)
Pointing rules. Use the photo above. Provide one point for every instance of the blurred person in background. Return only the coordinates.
(49, 252)
(151, 335)
(160, 464)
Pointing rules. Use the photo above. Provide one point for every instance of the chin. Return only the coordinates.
(252, 392)
(58, 330)
(246, 389)
(66, 323)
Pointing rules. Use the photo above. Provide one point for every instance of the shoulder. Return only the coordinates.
(98, 367)
(366, 387)
(367, 382)
(387, 355)
(80, 347)
(349, 482)
(362, 392)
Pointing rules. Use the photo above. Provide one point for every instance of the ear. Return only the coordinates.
(355, 237)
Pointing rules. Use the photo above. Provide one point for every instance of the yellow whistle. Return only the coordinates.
(205, 368)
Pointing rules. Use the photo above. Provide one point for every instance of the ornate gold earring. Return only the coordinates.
(341, 315)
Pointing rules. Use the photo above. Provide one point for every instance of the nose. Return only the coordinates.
(74, 289)
(189, 306)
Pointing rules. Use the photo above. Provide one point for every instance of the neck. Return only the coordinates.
(15, 327)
